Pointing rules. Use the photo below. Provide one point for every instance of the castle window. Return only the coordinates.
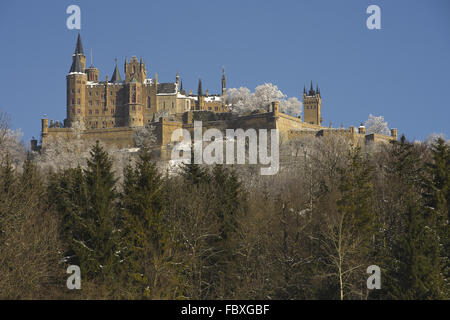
(90, 102)
(73, 90)
(164, 105)
(90, 111)
(96, 93)
(172, 105)
(78, 90)
(216, 108)
(148, 103)
(78, 101)
(96, 111)
(90, 93)
(79, 111)
(73, 101)
(133, 108)
(110, 93)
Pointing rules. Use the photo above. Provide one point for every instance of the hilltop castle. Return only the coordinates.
(111, 110)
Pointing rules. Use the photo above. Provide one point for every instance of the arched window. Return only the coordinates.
(148, 103)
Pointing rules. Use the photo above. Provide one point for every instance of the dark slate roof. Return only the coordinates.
(167, 87)
(116, 75)
(76, 65)
(79, 46)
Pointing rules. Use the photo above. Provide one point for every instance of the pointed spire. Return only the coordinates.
(311, 90)
(76, 65)
(79, 46)
(116, 74)
(181, 87)
(200, 90)
(304, 89)
(224, 81)
(223, 73)
(317, 89)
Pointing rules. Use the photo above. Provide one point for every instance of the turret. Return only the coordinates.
(116, 75)
(92, 74)
(135, 70)
(76, 85)
(362, 129)
(312, 105)
(394, 133)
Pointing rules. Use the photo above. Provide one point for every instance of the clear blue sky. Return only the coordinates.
(401, 71)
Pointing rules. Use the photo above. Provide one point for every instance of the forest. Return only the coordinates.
(138, 230)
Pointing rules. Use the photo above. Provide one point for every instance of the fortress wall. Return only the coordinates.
(117, 137)
(376, 138)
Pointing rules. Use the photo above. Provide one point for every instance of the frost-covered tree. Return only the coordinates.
(11, 144)
(433, 138)
(291, 106)
(242, 100)
(265, 94)
(376, 125)
(145, 136)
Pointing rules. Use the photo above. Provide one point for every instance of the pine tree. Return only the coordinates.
(144, 230)
(192, 172)
(229, 203)
(411, 257)
(416, 272)
(437, 199)
(86, 202)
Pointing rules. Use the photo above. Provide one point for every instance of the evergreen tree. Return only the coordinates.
(416, 271)
(101, 241)
(144, 232)
(192, 172)
(411, 256)
(229, 203)
(437, 199)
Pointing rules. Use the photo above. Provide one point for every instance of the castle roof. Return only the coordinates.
(116, 75)
(169, 87)
(76, 65)
(79, 46)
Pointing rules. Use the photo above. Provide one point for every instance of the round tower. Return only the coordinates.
(76, 86)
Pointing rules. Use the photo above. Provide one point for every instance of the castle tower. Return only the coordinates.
(200, 96)
(76, 86)
(224, 87)
(92, 74)
(80, 53)
(135, 70)
(312, 104)
(177, 80)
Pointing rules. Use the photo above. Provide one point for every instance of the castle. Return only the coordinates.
(111, 110)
